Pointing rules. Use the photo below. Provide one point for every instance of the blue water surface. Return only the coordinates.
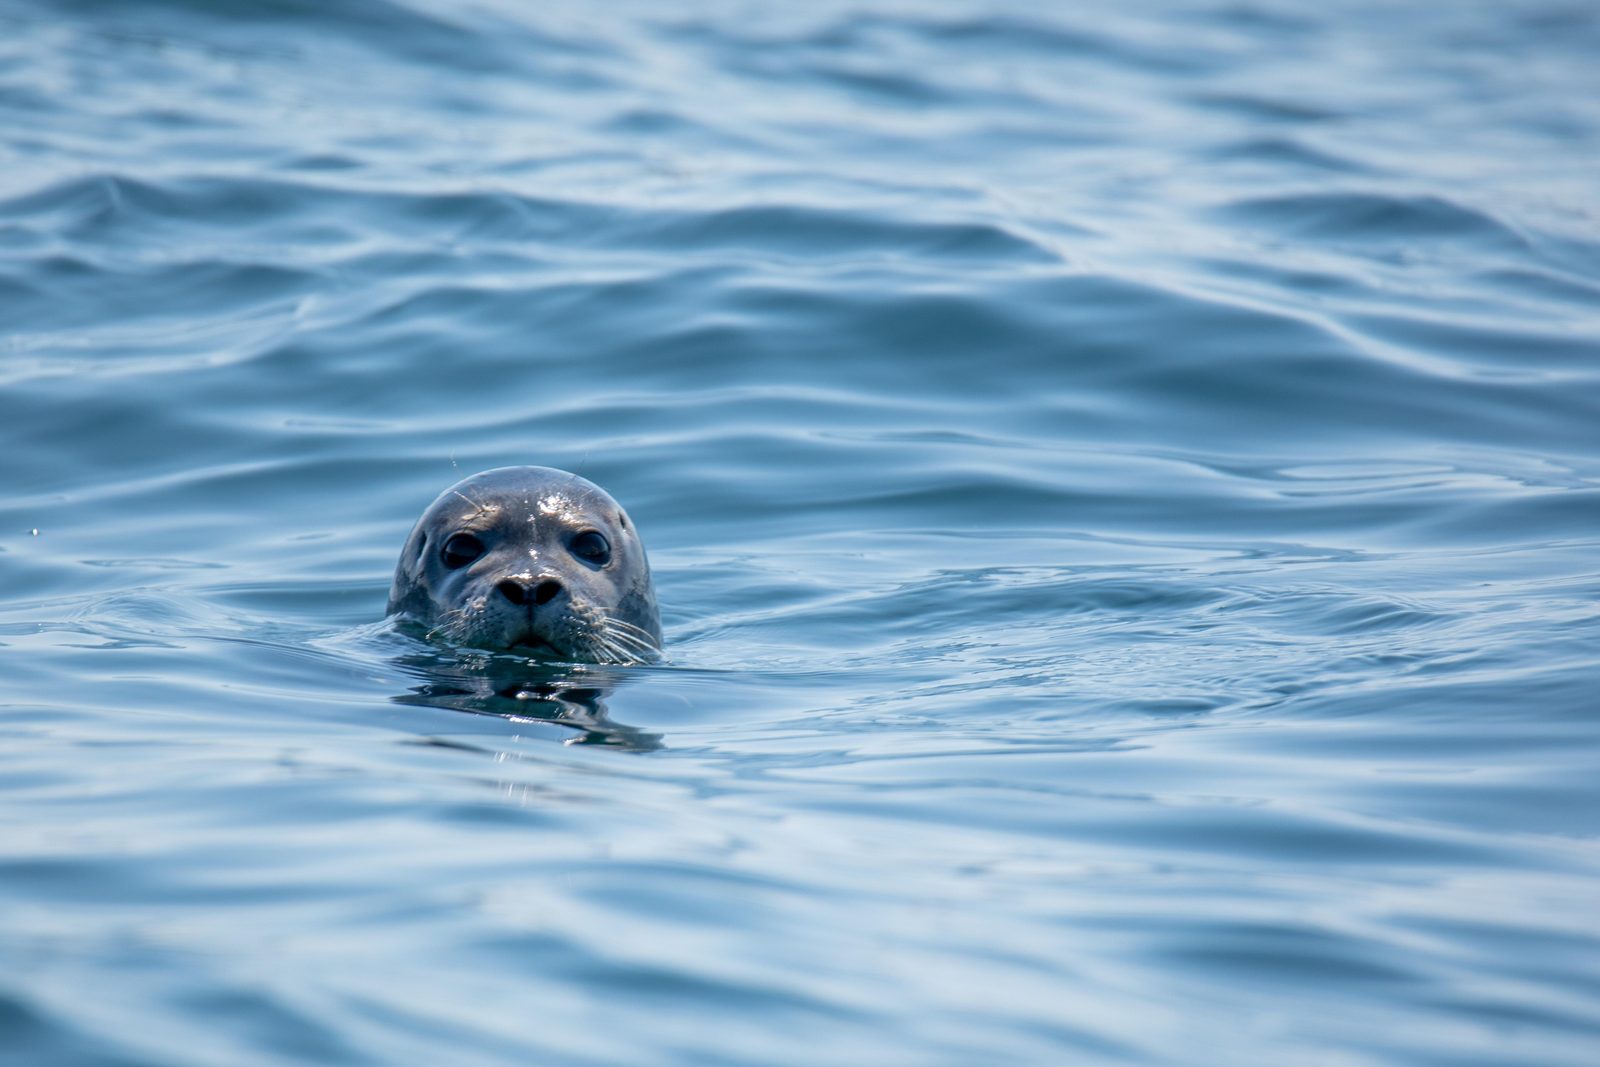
(1123, 483)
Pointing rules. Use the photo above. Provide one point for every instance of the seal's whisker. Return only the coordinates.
(632, 657)
(456, 623)
(602, 637)
(624, 626)
(480, 508)
(612, 656)
(611, 629)
(629, 641)
(618, 651)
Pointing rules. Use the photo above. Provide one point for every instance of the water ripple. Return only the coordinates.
(1121, 486)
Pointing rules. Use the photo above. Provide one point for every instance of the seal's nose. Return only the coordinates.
(521, 591)
(515, 590)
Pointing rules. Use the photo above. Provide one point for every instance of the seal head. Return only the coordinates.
(530, 559)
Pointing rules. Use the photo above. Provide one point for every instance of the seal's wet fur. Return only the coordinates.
(510, 559)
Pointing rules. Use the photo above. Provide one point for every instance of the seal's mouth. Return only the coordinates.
(535, 645)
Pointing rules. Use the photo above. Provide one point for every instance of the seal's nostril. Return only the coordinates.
(547, 591)
(514, 591)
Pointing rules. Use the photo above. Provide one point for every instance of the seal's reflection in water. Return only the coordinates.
(523, 690)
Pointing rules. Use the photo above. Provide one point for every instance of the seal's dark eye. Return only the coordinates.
(460, 550)
(591, 547)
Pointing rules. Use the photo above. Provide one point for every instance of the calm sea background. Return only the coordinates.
(1123, 482)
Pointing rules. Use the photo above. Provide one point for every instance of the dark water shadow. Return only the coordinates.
(524, 690)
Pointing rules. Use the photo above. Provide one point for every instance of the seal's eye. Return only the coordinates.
(460, 550)
(591, 547)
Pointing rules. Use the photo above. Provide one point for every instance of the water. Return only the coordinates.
(1123, 484)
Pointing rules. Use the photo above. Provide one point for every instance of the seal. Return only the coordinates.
(530, 559)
